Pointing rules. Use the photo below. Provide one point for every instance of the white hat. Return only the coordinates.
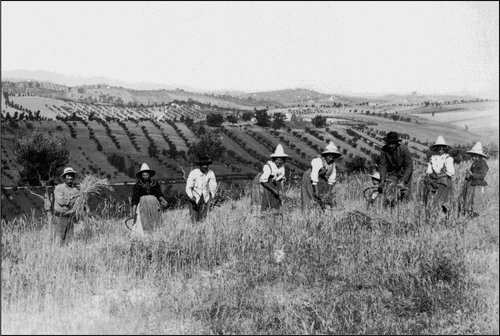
(440, 142)
(145, 168)
(68, 170)
(279, 152)
(477, 149)
(331, 149)
(375, 175)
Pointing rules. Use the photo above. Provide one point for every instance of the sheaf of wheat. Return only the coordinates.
(90, 185)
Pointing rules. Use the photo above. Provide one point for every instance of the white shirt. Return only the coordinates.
(201, 184)
(269, 169)
(437, 163)
(317, 164)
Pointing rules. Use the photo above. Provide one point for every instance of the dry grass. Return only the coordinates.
(289, 273)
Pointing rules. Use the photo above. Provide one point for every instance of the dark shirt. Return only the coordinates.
(478, 170)
(142, 188)
(398, 163)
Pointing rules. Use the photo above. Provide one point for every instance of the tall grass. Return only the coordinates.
(322, 272)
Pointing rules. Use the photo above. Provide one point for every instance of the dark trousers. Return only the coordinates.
(198, 212)
(63, 228)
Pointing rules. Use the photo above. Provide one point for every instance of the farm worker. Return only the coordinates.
(473, 194)
(318, 182)
(146, 199)
(438, 186)
(396, 169)
(373, 194)
(65, 194)
(268, 184)
(201, 187)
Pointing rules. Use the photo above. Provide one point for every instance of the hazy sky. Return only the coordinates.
(331, 47)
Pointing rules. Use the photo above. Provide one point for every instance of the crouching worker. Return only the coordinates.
(372, 193)
(65, 194)
(146, 199)
(201, 187)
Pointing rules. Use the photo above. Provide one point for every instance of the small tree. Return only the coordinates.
(41, 158)
(210, 144)
(232, 118)
(247, 116)
(263, 119)
(319, 121)
(278, 121)
(215, 120)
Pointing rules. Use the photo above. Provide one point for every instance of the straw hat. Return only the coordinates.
(331, 149)
(392, 137)
(68, 170)
(477, 149)
(145, 168)
(204, 160)
(279, 152)
(375, 176)
(439, 142)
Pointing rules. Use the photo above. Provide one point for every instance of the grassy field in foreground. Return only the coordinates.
(288, 273)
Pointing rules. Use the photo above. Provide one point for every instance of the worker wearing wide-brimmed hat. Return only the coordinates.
(146, 199)
(372, 194)
(201, 187)
(318, 182)
(65, 195)
(396, 169)
(473, 196)
(268, 184)
(438, 189)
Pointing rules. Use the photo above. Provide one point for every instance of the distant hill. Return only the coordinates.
(96, 89)
(52, 77)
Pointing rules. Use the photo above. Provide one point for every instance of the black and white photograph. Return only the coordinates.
(249, 167)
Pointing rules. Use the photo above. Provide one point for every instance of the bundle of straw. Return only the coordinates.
(90, 185)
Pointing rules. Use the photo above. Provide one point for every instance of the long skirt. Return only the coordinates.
(439, 193)
(198, 211)
(473, 198)
(261, 198)
(148, 213)
(306, 191)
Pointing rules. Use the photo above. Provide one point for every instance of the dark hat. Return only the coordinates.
(203, 160)
(392, 137)
(145, 169)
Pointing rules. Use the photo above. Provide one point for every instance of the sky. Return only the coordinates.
(331, 47)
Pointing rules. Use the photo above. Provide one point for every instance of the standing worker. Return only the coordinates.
(396, 169)
(146, 198)
(438, 188)
(65, 194)
(201, 187)
(473, 194)
(268, 184)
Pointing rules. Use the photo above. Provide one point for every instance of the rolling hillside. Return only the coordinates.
(97, 134)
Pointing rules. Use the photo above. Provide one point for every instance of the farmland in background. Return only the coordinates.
(99, 132)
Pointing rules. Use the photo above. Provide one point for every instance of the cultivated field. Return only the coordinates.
(337, 272)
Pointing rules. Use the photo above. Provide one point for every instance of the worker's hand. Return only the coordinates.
(381, 188)
(164, 202)
(193, 199)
